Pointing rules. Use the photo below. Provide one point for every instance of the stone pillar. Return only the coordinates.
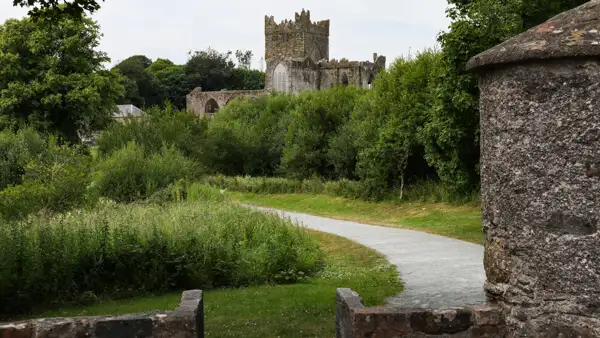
(540, 175)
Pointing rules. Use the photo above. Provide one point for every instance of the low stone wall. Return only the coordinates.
(353, 319)
(187, 321)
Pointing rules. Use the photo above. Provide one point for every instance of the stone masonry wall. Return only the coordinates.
(540, 170)
(187, 321)
(197, 99)
(354, 320)
(296, 39)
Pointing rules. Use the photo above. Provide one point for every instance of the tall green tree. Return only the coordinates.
(209, 69)
(452, 131)
(171, 81)
(52, 76)
(142, 88)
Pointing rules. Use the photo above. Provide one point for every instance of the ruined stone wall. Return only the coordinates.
(353, 319)
(197, 100)
(359, 73)
(304, 79)
(187, 321)
(304, 75)
(332, 74)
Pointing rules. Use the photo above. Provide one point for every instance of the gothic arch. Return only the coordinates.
(211, 107)
(370, 81)
(280, 78)
(345, 79)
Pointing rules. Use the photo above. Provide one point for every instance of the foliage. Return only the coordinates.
(16, 150)
(142, 89)
(52, 77)
(247, 136)
(276, 311)
(171, 79)
(158, 127)
(55, 9)
(388, 122)
(244, 58)
(418, 191)
(160, 82)
(125, 250)
(209, 69)
(315, 121)
(129, 174)
(452, 132)
(46, 176)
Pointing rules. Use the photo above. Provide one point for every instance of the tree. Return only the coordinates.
(145, 92)
(171, 81)
(209, 69)
(55, 9)
(244, 58)
(451, 134)
(52, 76)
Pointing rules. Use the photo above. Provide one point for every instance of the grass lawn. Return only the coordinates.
(305, 309)
(461, 222)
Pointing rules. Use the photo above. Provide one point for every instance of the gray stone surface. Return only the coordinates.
(187, 321)
(540, 181)
(353, 319)
(436, 271)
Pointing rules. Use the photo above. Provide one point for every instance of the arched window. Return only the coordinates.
(370, 82)
(345, 79)
(211, 107)
(280, 78)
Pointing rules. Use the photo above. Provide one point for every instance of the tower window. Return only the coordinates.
(280, 78)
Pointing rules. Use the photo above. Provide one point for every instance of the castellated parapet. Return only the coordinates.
(301, 23)
(298, 39)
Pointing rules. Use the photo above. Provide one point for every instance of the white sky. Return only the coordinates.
(169, 29)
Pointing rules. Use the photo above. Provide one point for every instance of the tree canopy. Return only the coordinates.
(52, 76)
(55, 9)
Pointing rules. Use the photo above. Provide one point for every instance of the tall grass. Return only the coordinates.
(423, 191)
(122, 250)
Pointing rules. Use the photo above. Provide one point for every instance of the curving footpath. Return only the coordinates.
(437, 271)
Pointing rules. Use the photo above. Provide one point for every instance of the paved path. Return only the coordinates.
(437, 271)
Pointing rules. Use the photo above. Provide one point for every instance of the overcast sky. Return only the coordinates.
(169, 29)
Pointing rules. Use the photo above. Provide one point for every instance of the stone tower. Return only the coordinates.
(540, 175)
(296, 39)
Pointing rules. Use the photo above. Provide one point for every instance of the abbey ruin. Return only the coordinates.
(297, 59)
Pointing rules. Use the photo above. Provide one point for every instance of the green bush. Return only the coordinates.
(55, 179)
(180, 129)
(122, 250)
(16, 149)
(130, 174)
(421, 191)
(247, 136)
(315, 122)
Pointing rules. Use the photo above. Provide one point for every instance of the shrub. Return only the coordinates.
(315, 121)
(130, 174)
(55, 180)
(16, 149)
(422, 191)
(180, 129)
(247, 136)
(121, 250)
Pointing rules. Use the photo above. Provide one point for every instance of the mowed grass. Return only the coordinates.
(305, 309)
(457, 221)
